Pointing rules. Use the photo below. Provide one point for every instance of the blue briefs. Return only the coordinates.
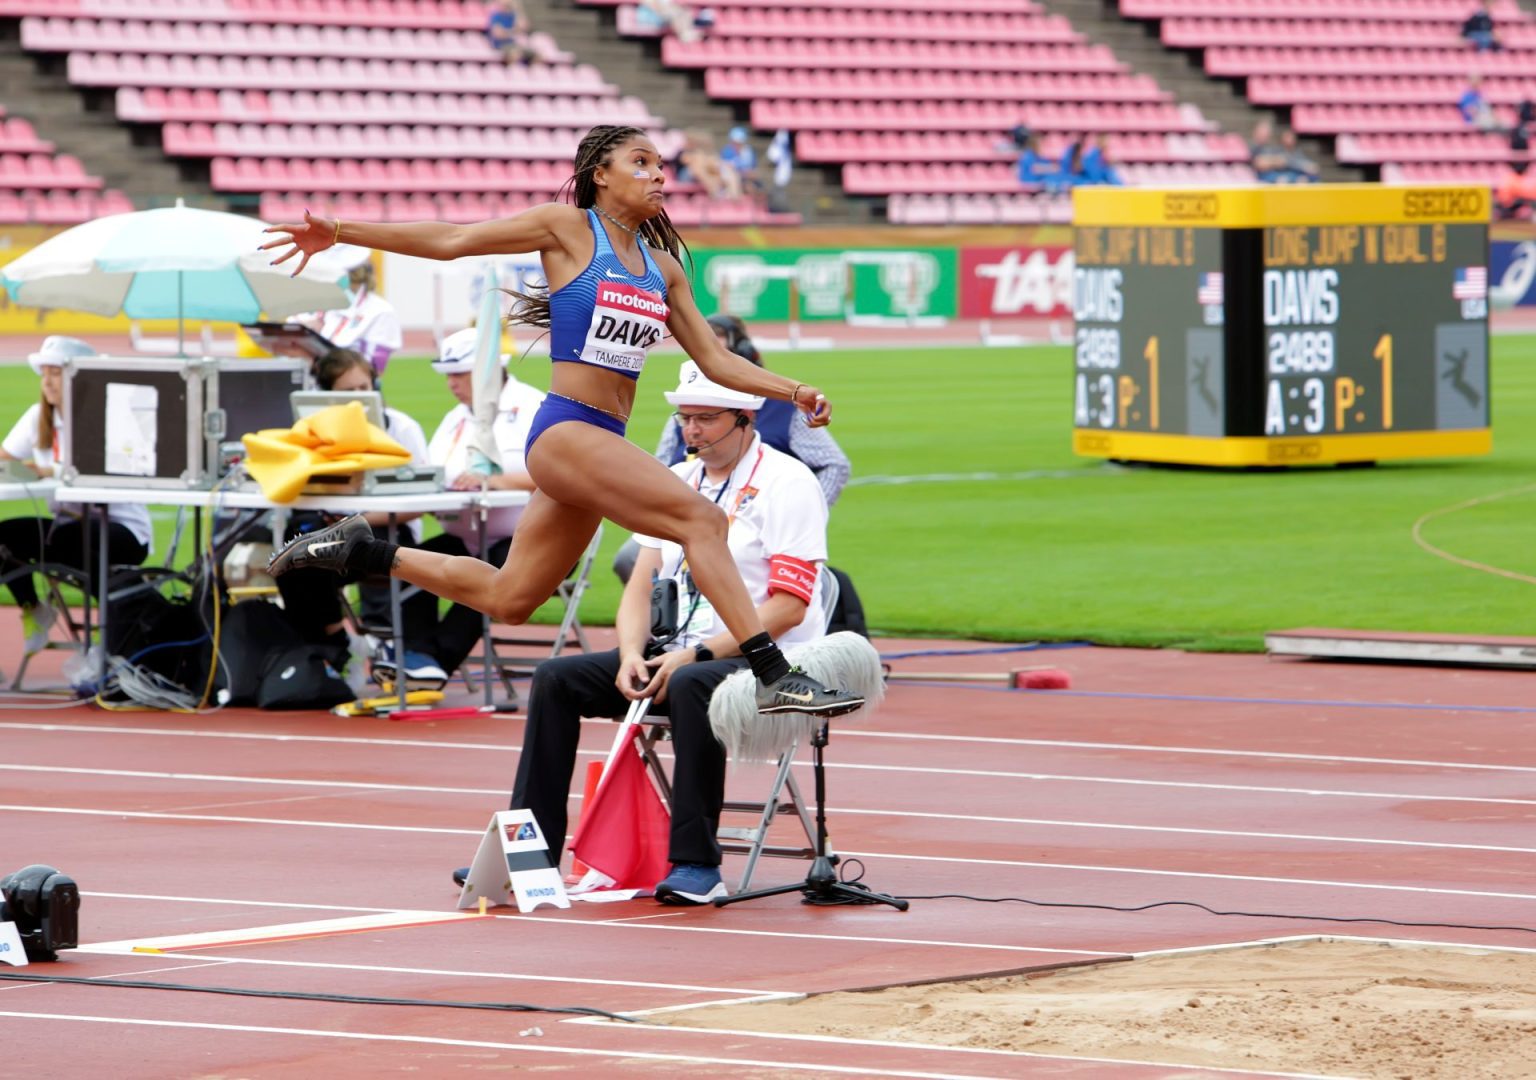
(556, 409)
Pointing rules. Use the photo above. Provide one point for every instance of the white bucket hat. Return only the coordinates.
(350, 256)
(696, 388)
(457, 355)
(57, 350)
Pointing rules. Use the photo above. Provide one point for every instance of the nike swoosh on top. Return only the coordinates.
(804, 698)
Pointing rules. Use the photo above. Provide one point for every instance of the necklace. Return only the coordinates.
(620, 224)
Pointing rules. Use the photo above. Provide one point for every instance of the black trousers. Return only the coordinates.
(62, 540)
(449, 639)
(569, 687)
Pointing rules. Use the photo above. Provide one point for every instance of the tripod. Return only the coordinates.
(821, 885)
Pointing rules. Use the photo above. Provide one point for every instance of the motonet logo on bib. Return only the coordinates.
(631, 298)
(626, 322)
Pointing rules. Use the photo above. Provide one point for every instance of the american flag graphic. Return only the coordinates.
(1471, 283)
(1210, 290)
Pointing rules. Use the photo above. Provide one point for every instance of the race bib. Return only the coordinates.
(626, 322)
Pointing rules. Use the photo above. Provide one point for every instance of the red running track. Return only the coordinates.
(1287, 788)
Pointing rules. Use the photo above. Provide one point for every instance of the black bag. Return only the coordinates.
(303, 677)
(848, 613)
(156, 632)
(262, 664)
(250, 631)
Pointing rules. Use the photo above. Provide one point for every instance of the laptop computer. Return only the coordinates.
(288, 339)
(308, 402)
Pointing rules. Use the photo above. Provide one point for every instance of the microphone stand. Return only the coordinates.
(821, 885)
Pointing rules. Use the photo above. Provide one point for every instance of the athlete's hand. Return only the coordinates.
(814, 404)
(313, 236)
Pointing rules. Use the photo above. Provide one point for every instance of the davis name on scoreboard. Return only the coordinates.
(1265, 326)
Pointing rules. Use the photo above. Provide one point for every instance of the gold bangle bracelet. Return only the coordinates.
(794, 397)
(336, 236)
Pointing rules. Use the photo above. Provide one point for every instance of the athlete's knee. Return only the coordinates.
(704, 521)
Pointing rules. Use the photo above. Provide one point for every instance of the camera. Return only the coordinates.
(663, 613)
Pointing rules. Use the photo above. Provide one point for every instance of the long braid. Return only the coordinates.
(595, 149)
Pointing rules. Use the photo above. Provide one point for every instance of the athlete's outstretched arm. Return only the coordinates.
(536, 229)
(698, 339)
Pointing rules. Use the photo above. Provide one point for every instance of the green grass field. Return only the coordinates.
(1039, 543)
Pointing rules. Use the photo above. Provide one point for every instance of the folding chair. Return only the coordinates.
(783, 796)
(570, 632)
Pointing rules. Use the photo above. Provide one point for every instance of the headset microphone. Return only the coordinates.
(741, 421)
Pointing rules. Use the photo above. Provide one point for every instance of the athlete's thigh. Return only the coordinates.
(550, 538)
(583, 465)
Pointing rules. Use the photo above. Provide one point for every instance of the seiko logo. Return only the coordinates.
(1191, 206)
(1444, 204)
(1307, 450)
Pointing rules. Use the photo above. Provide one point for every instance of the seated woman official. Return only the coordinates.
(438, 644)
(310, 596)
(25, 541)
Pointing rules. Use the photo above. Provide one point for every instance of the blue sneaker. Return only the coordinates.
(690, 884)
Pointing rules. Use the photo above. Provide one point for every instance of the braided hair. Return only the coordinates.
(596, 149)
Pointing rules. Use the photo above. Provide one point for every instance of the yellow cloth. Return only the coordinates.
(336, 441)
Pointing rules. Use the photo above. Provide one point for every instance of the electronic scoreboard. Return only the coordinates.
(1280, 325)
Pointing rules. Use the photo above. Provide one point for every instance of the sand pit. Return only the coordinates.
(1333, 1007)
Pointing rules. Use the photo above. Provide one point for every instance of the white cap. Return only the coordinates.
(350, 256)
(57, 350)
(696, 388)
(457, 355)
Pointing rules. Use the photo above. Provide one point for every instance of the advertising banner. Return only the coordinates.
(1512, 277)
(1017, 282)
(830, 283)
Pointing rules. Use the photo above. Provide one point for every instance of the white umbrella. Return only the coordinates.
(175, 262)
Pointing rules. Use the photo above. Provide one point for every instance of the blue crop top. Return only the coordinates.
(606, 316)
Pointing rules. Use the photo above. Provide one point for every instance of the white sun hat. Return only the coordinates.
(696, 388)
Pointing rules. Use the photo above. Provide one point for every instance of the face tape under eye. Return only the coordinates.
(642, 174)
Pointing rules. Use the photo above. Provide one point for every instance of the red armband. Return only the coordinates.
(794, 576)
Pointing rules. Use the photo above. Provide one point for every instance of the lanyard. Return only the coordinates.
(730, 517)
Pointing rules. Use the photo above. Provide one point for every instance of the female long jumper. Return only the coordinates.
(615, 287)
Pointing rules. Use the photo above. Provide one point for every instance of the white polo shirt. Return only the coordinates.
(450, 449)
(21, 443)
(778, 538)
(368, 324)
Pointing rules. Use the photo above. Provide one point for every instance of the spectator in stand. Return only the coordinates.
(1298, 168)
(1478, 30)
(1474, 106)
(1094, 166)
(1265, 155)
(673, 15)
(700, 163)
(738, 156)
(1068, 171)
(507, 31)
(1034, 168)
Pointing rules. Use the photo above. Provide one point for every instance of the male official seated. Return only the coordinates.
(778, 535)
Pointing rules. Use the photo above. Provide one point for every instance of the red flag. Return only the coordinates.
(625, 831)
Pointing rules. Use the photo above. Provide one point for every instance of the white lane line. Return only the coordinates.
(620, 923)
(737, 932)
(117, 949)
(1043, 822)
(1188, 785)
(1022, 865)
(274, 781)
(236, 820)
(618, 1053)
(257, 935)
(1172, 1070)
(1263, 755)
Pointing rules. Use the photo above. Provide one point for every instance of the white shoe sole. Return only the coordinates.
(678, 898)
